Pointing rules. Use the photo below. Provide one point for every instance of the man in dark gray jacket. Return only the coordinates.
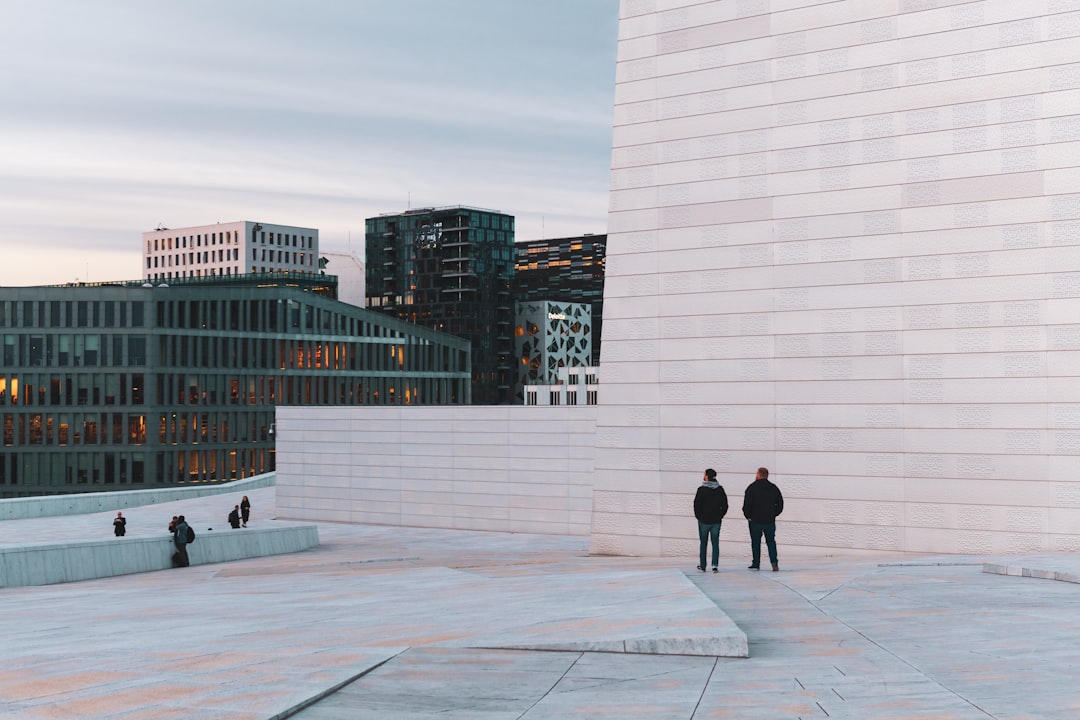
(710, 506)
(762, 502)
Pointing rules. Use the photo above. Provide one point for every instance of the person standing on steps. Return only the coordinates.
(710, 506)
(762, 502)
(245, 510)
(119, 525)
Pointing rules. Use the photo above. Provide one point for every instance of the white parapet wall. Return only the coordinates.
(60, 562)
(495, 468)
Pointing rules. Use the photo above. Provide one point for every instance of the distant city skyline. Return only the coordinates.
(121, 116)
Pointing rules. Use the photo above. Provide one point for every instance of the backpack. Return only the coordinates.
(190, 534)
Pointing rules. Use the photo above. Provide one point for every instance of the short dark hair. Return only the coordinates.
(763, 472)
(711, 474)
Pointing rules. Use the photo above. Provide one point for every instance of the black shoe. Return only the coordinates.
(715, 569)
(776, 567)
(701, 568)
(753, 567)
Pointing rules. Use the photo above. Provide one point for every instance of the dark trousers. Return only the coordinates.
(706, 531)
(180, 557)
(769, 531)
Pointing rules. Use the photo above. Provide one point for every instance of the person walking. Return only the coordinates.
(762, 502)
(180, 540)
(234, 517)
(119, 525)
(710, 506)
(245, 510)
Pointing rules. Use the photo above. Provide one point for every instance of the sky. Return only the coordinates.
(119, 116)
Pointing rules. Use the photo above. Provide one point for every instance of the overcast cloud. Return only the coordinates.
(120, 115)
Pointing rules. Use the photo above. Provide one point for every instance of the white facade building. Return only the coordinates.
(550, 336)
(573, 386)
(349, 269)
(844, 244)
(235, 248)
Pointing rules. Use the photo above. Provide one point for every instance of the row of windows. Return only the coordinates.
(285, 239)
(282, 257)
(66, 429)
(197, 272)
(216, 272)
(555, 397)
(255, 390)
(44, 473)
(167, 243)
(363, 356)
(193, 258)
(182, 467)
(447, 220)
(89, 350)
(71, 313)
(213, 390)
(40, 390)
(267, 316)
(63, 429)
(228, 237)
(37, 472)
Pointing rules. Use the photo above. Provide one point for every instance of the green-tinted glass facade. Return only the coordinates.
(450, 269)
(117, 387)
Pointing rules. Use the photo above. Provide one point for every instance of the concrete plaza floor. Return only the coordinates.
(408, 623)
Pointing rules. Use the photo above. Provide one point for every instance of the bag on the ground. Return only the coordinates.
(190, 535)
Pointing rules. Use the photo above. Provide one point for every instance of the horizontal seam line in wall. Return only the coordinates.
(856, 93)
(853, 23)
(841, 119)
(859, 212)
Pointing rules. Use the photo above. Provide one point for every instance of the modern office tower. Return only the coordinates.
(234, 248)
(550, 337)
(565, 270)
(844, 244)
(131, 385)
(450, 269)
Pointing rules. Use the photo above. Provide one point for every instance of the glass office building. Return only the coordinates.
(568, 270)
(450, 269)
(111, 387)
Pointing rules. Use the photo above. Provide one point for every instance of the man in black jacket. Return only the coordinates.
(762, 502)
(710, 506)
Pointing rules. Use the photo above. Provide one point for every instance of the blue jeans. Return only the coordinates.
(705, 532)
(769, 531)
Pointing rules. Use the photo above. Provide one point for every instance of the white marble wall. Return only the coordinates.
(497, 468)
(844, 243)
